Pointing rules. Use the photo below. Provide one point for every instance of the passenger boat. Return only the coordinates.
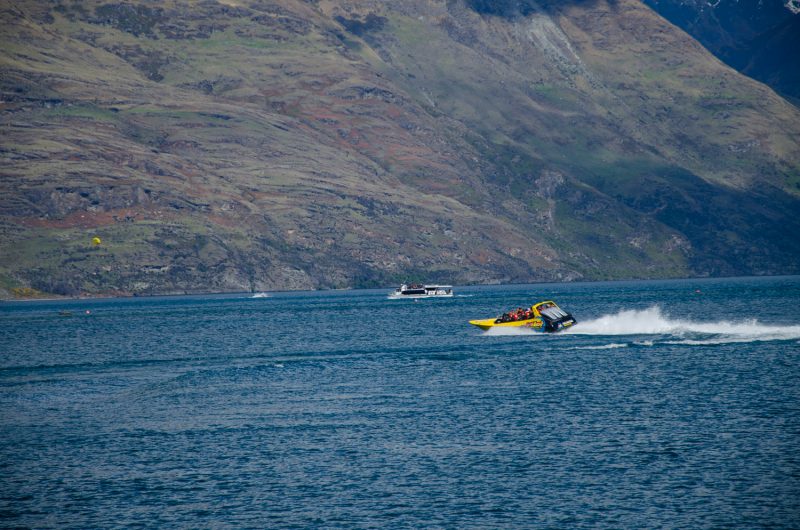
(417, 290)
(543, 316)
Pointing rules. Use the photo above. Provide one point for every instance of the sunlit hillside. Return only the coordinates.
(227, 146)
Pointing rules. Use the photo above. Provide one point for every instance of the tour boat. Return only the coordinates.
(417, 290)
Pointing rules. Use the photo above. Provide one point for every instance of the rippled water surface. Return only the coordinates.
(670, 405)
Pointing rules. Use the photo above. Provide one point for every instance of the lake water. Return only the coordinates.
(672, 404)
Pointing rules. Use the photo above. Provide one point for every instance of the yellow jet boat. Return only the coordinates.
(543, 316)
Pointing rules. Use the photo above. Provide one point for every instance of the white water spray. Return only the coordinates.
(651, 321)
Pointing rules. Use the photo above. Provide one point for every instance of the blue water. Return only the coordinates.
(671, 404)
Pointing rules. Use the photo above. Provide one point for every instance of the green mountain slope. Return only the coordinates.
(290, 144)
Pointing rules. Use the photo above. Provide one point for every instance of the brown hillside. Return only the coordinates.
(282, 145)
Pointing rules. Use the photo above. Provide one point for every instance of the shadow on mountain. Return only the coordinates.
(728, 224)
(758, 38)
(522, 8)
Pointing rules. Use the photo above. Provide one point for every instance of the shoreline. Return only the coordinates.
(57, 298)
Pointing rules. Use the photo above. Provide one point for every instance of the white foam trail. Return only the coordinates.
(728, 340)
(612, 346)
(652, 322)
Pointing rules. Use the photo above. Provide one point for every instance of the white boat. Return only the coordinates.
(417, 290)
(260, 295)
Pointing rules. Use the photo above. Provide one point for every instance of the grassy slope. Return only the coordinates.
(617, 99)
(283, 145)
(282, 201)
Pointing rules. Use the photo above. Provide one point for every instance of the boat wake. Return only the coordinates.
(651, 321)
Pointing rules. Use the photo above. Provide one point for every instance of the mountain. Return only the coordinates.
(759, 38)
(228, 146)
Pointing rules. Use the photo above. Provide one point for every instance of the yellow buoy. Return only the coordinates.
(96, 241)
